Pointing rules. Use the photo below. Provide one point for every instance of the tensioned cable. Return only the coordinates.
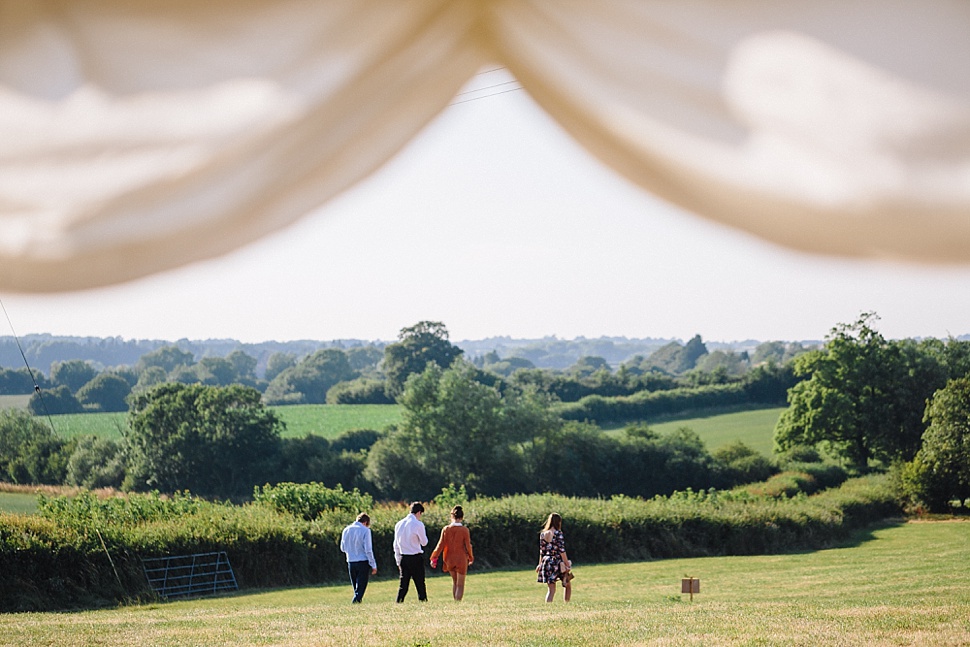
(30, 371)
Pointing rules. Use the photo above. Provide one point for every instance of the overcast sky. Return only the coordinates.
(494, 222)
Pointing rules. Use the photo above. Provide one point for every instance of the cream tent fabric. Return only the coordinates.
(138, 136)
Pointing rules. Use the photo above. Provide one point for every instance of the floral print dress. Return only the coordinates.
(550, 557)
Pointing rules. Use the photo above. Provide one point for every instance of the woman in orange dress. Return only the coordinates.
(455, 548)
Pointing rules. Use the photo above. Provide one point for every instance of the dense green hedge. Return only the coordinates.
(648, 404)
(59, 559)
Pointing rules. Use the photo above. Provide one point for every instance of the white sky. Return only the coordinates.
(494, 222)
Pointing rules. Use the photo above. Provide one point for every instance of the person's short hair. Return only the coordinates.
(416, 507)
(363, 518)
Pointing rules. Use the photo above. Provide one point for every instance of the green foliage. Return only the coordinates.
(167, 358)
(56, 559)
(30, 452)
(73, 374)
(418, 345)
(213, 440)
(940, 472)
(309, 500)
(743, 464)
(456, 430)
(96, 463)
(106, 392)
(309, 381)
(451, 496)
(645, 405)
(54, 401)
(360, 391)
(863, 397)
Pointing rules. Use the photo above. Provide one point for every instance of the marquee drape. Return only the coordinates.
(139, 136)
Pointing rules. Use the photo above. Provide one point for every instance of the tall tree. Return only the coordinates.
(211, 440)
(106, 392)
(940, 472)
(417, 346)
(863, 396)
(73, 374)
(168, 358)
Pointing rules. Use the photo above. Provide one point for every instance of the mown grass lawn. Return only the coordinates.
(902, 584)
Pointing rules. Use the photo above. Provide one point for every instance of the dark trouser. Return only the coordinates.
(412, 567)
(359, 574)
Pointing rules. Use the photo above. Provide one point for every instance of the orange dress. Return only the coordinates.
(455, 548)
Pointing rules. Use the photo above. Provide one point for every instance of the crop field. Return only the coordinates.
(327, 420)
(898, 584)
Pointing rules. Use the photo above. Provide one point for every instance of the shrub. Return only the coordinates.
(309, 500)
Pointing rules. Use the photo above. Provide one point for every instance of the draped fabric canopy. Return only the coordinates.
(139, 136)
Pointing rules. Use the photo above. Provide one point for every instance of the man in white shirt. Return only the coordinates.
(357, 542)
(409, 540)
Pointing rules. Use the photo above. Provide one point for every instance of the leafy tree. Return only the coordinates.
(168, 358)
(309, 381)
(73, 374)
(106, 392)
(676, 359)
(940, 471)
(216, 371)
(277, 363)
(151, 376)
(54, 402)
(243, 366)
(30, 451)
(456, 430)
(18, 381)
(96, 463)
(365, 358)
(211, 440)
(417, 346)
(863, 397)
(588, 364)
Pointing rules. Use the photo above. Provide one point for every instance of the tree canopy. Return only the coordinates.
(207, 439)
(417, 346)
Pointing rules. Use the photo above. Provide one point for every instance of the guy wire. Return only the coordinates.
(30, 371)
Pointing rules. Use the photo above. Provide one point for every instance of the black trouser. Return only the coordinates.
(359, 574)
(412, 567)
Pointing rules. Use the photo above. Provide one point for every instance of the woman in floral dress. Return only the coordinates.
(552, 554)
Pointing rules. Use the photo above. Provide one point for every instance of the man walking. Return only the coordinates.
(409, 539)
(357, 542)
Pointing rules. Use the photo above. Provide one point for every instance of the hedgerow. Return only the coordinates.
(60, 558)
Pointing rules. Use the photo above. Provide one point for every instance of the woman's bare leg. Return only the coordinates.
(551, 595)
(457, 585)
(567, 591)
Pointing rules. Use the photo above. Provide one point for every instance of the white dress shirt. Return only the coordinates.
(409, 537)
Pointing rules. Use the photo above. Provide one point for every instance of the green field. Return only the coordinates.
(755, 428)
(18, 502)
(327, 420)
(330, 420)
(901, 584)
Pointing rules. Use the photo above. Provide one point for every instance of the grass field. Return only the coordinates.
(327, 420)
(903, 584)
(755, 428)
(18, 502)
